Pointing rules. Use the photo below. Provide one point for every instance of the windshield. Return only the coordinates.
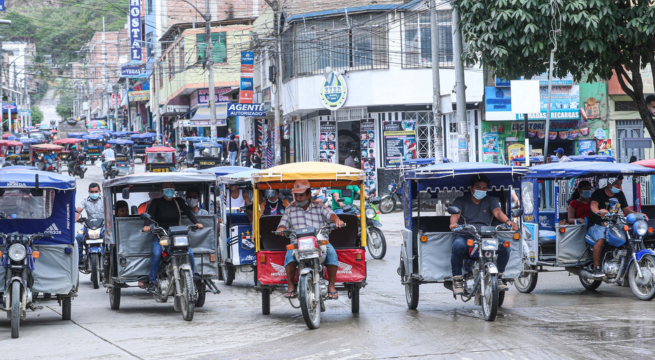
(160, 158)
(37, 135)
(20, 204)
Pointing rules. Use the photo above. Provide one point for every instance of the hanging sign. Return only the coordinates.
(245, 109)
(136, 52)
(247, 72)
(333, 91)
(133, 71)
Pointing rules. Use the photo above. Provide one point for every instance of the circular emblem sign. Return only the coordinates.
(333, 91)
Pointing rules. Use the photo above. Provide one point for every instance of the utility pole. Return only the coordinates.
(2, 59)
(550, 87)
(118, 128)
(210, 69)
(436, 86)
(156, 100)
(460, 87)
(278, 95)
(104, 73)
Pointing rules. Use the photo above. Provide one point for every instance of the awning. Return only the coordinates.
(203, 113)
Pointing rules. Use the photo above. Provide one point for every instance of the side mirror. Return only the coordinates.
(375, 200)
(134, 210)
(517, 213)
(126, 193)
(145, 216)
(453, 210)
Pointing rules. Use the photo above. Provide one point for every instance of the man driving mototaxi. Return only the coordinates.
(479, 210)
(303, 213)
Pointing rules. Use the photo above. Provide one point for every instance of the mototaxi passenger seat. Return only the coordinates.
(346, 237)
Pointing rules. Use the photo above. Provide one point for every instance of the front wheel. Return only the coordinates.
(590, 284)
(66, 304)
(187, 302)
(95, 273)
(387, 204)
(266, 301)
(528, 279)
(228, 274)
(377, 243)
(115, 297)
(82, 175)
(643, 287)
(309, 301)
(490, 297)
(15, 309)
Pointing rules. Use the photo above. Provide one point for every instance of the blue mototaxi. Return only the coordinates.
(192, 152)
(549, 241)
(124, 156)
(215, 155)
(27, 142)
(77, 135)
(236, 247)
(141, 143)
(94, 146)
(41, 202)
(122, 134)
(425, 255)
(534, 160)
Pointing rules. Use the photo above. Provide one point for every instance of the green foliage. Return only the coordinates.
(513, 38)
(65, 107)
(37, 115)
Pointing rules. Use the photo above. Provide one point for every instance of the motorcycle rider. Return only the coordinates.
(166, 211)
(108, 156)
(600, 200)
(49, 159)
(193, 200)
(479, 210)
(72, 157)
(304, 213)
(95, 209)
(337, 206)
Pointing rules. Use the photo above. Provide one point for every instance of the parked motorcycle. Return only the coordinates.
(94, 231)
(78, 168)
(175, 276)
(376, 242)
(389, 202)
(19, 259)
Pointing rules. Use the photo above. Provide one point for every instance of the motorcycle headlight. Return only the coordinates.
(640, 228)
(370, 213)
(490, 244)
(94, 234)
(17, 252)
(181, 241)
(306, 244)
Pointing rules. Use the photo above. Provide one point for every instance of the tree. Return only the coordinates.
(37, 115)
(65, 107)
(514, 37)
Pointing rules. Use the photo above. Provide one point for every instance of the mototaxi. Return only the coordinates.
(550, 243)
(160, 159)
(127, 250)
(425, 254)
(39, 252)
(95, 144)
(190, 142)
(66, 144)
(38, 152)
(123, 151)
(10, 152)
(348, 241)
(141, 143)
(210, 155)
(27, 143)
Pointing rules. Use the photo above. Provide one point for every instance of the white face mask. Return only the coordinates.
(192, 202)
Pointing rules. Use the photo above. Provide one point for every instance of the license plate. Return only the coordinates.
(99, 241)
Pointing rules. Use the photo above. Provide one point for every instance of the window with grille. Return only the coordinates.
(182, 55)
(625, 106)
(426, 135)
(219, 47)
(171, 63)
(453, 127)
(150, 46)
(417, 39)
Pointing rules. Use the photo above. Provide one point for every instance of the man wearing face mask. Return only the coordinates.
(95, 209)
(479, 210)
(167, 211)
(272, 205)
(600, 203)
(193, 200)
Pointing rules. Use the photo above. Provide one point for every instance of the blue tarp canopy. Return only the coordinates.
(237, 177)
(553, 158)
(120, 142)
(202, 145)
(94, 137)
(122, 133)
(143, 136)
(196, 138)
(26, 140)
(456, 175)
(225, 170)
(585, 169)
(78, 135)
(15, 177)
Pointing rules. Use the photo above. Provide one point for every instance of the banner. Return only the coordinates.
(367, 134)
(133, 71)
(234, 109)
(565, 104)
(201, 96)
(143, 95)
(399, 142)
(136, 51)
(328, 143)
(247, 72)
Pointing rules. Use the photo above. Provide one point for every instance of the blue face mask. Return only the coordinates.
(169, 193)
(615, 190)
(586, 194)
(94, 196)
(479, 194)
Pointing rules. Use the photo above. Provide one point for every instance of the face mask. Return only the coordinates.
(586, 194)
(169, 193)
(615, 190)
(302, 203)
(94, 196)
(479, 194)
(192, 202)
(272, 201)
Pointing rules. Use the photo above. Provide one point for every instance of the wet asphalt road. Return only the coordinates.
(559, 320)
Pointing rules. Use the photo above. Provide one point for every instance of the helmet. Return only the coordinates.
(107, 146)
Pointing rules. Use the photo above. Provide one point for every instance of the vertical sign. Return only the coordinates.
(2, 5)
(247, 73)
(136, 53)
(367, 135)
(328, 143)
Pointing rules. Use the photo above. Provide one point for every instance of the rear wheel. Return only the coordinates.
(266, 301)
(309, 301)
(15, 309)
(377, 244)
(82, 175)
(115, 297)
(387, 204)
(187, 301)
(411, 289)
(228, 274)
(66, 304)
(590, 284)
(501, 298)
(354, 299)
(643, 287)
(490, 297)
(95, 273)
(202, 293)
(528, 279)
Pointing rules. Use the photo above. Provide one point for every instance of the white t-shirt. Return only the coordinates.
(109, 154)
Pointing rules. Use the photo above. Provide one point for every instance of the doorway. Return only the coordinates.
(349, 140)
(628, 129)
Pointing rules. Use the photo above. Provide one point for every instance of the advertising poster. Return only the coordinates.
(490, 144)
(367, 133)
(328, 141)
(515, 151)
(399, 142)
(247, 71)
(604, 147)
(585, 146)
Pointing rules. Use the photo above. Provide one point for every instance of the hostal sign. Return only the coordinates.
(333, 91)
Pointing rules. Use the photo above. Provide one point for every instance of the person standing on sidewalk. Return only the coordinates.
(233, 150)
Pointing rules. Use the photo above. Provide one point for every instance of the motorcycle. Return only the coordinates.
(79, 167)
(310, 251)
(175, 276)
(18, 259)
(389, 202)
(180, 164)
(480, 272)
(377, 243)
(110, 170)
(94, 231)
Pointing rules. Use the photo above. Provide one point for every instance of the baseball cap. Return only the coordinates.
(479, 178)
(300, 186)
(560, 150)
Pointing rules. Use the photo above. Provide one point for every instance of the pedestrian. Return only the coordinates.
(560, 155)
(233, 150)
(251, 151)
(633, 159)
(257, 159)
(243, 150)
(350, 160)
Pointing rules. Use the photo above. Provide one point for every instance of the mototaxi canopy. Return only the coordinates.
(311, 170)
(196, 138)
(149, 181)
(225, 170)
(47, 147)
(160, 149)
(585, 169)
(207, 145)
(456, 175)
(120, 142)
(69, 141)
(78, 135)
(143, 136)
(94, 137)
(237, 177)
(28, 140)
